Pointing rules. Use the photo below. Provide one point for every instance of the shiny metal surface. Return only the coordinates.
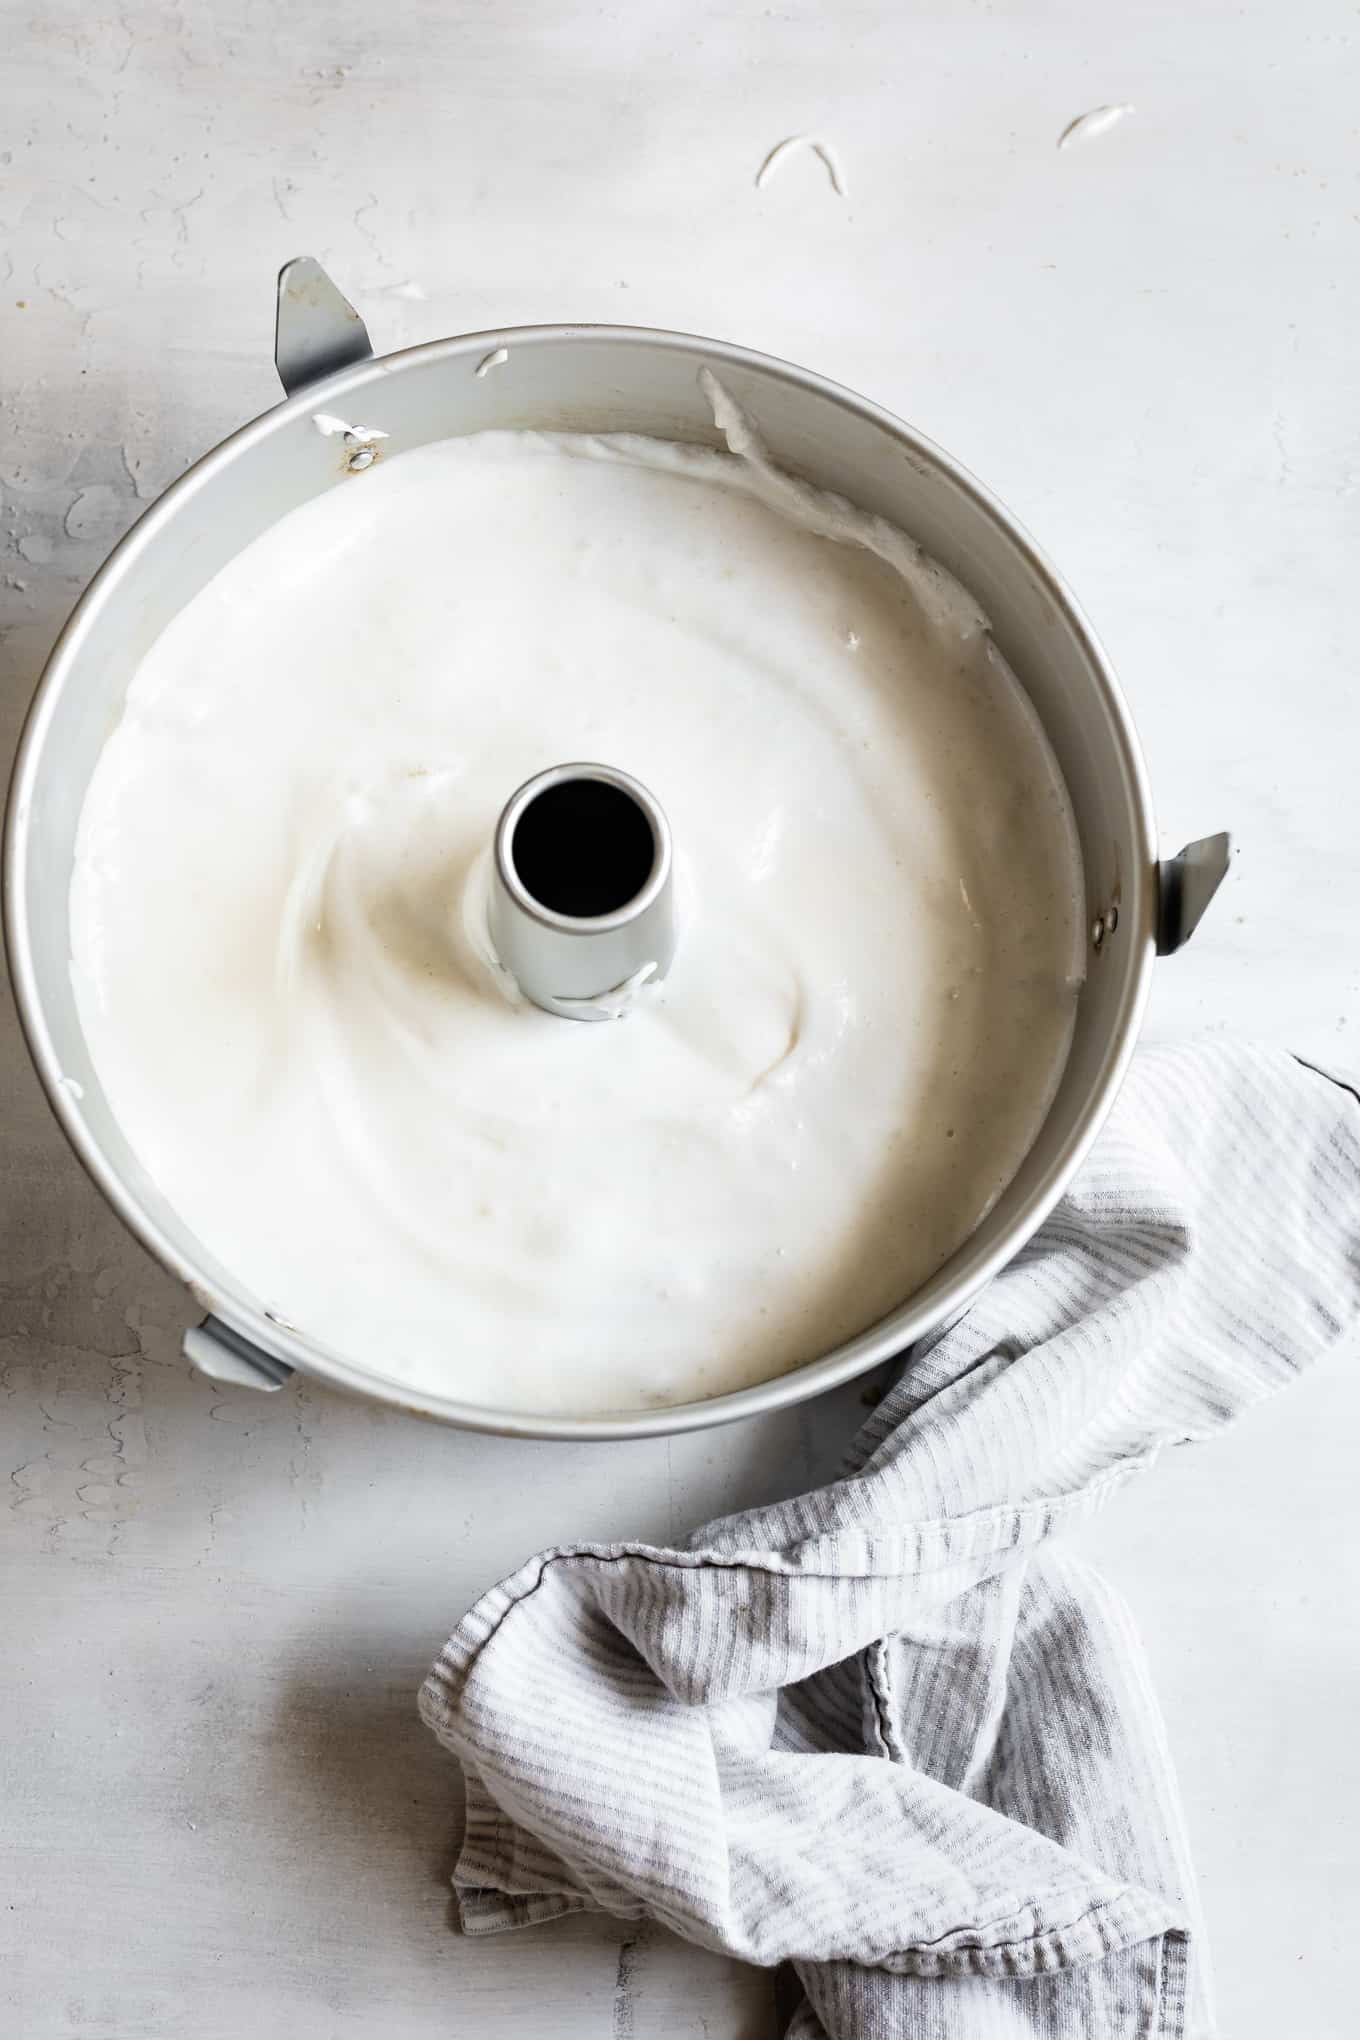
(1186, 885)
(585, 379)
(316, 330)
(583, 966)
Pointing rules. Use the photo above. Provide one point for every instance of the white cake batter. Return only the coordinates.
(277, 929)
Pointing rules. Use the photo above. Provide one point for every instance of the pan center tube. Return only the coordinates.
(581, 908)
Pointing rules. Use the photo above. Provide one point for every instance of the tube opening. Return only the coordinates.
(583, 847)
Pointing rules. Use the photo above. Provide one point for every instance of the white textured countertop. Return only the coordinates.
(221, 1815)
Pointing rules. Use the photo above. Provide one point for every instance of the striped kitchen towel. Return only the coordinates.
(890, 1732)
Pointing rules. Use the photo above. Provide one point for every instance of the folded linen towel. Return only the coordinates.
(889, 1732)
